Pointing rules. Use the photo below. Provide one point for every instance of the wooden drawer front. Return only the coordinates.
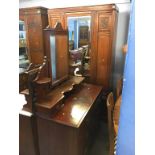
(103, 57)
(105, 21)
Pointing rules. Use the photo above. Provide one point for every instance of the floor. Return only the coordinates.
(100, 145)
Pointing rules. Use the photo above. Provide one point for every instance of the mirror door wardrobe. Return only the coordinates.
(100, 40)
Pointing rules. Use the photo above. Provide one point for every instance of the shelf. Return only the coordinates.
(56, 97)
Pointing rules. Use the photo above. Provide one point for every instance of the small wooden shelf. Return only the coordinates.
(53, 101)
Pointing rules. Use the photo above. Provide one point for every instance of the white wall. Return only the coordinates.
(121, 39)
(66, 3)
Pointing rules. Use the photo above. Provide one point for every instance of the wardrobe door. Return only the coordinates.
(103, 59)
(104, 49)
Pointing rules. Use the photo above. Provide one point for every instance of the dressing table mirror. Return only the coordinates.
(56, 50)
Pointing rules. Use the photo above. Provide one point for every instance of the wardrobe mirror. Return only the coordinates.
(79, 29)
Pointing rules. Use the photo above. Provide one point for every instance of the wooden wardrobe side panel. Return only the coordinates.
(36, 20)
(35, 41)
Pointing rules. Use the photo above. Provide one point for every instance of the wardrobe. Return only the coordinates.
(102, 35)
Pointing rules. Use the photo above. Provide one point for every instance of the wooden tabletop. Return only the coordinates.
(77, 105)
(58, 93)
(116, 113)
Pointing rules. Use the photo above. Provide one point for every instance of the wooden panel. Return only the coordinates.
(26, 141)
(62, 55)
(57, 53)
(55, 18)
(56, 139)
(109, 8)
(105, 21)
(93, 54)
(35, 42)
(37, 56)
(103, 59)
(36, 20)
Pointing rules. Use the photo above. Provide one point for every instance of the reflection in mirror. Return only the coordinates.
(23, 57)
(79, 44)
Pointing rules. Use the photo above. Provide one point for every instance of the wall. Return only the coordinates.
(121, 39)
(67, 3)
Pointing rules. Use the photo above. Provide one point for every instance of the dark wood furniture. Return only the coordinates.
(103, 26)
(36, 20)
(56, 50)
(69, 129)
